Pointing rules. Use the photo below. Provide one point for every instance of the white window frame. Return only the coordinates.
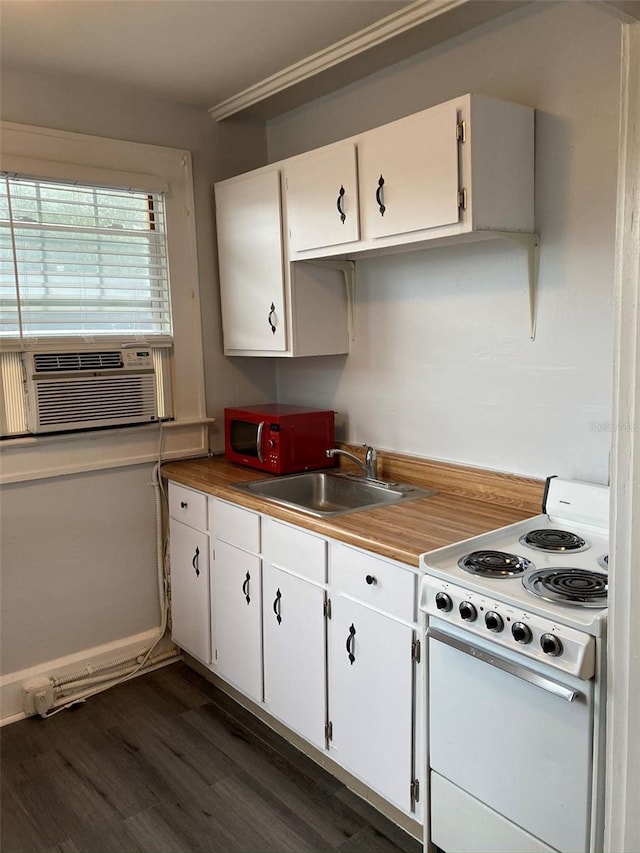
(62, 155)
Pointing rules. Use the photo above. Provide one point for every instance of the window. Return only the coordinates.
(120, 218)
(88, 261)
(81, 260)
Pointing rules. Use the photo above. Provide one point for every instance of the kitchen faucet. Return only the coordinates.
(370, 464)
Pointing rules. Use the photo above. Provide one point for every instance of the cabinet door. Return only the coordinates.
(250, 258)
(409, 174)
(322, 200)
(371, 698)
(236, 618)
(294, 653)
(189, 559)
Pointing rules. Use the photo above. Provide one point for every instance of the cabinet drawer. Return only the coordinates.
(295, 550)
(188, 506)
(235, 525)
(373, 581)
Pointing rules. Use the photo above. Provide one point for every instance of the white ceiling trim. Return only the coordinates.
(393, 25)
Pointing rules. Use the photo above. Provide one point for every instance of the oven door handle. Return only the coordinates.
(548, 684)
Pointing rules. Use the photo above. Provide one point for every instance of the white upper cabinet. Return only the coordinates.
(460, 168)
(322, 197)
(269, 306)
(409, 174)
(250, 258)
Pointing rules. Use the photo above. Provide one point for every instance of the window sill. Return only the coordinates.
(36, 457)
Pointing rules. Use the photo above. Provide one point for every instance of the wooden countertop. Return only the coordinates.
(468, 501)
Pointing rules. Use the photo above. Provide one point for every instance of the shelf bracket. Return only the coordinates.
(348, 269)
(531, 243)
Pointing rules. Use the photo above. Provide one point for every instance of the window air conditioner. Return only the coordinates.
(84, 390)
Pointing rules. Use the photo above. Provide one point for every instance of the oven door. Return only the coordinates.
(510, 749)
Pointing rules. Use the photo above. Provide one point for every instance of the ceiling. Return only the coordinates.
(198, 52)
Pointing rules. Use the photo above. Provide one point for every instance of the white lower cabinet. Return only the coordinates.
(236, 618)
(373, 656)
(321, 634)
(370, 698)
(236, 597)
(294, 653)
(189, 559)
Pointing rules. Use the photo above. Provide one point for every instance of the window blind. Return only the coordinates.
(81, 260)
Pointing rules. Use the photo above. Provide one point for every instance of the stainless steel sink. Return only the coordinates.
(330, 493)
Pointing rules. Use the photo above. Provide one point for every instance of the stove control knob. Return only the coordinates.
(521, 633)
(443, 601)
(551, 645)
(468, 612)
(494, 622)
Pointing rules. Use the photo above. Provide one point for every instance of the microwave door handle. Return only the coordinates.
(259, 440)
(519, 671)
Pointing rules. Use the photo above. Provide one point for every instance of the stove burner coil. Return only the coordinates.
(603, 561)
(494, 564)
(556, 541)
(578, 587)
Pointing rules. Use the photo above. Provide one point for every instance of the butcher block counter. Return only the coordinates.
(467, 502)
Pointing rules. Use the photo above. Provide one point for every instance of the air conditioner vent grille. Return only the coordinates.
(45, 362)
(96, 401)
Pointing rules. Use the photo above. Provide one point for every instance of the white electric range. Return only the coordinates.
(517, 638)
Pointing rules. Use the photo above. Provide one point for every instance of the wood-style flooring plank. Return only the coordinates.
(370, 840)
(167, 763)
(295, 789)
(243, 721)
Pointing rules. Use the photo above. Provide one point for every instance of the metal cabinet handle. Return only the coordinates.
(380, 196)
(340, 204)
(183, 504)
(271, 317)
(351, 642)
(196, 561)
(370, 579)
(535, 678)
(245, 588)
(277, 604)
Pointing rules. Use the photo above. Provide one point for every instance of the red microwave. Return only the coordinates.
(279, 439)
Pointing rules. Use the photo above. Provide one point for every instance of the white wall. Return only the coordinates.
(78, 552)
(76, 564)
(442, 365)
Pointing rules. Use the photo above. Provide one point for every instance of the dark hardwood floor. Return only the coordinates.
(167, 762)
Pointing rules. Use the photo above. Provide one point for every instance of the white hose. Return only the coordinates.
(95, 678)
(110, 681)
(126, 671)
(88, 673)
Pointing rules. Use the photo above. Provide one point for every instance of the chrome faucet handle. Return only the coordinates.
(371, 462)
